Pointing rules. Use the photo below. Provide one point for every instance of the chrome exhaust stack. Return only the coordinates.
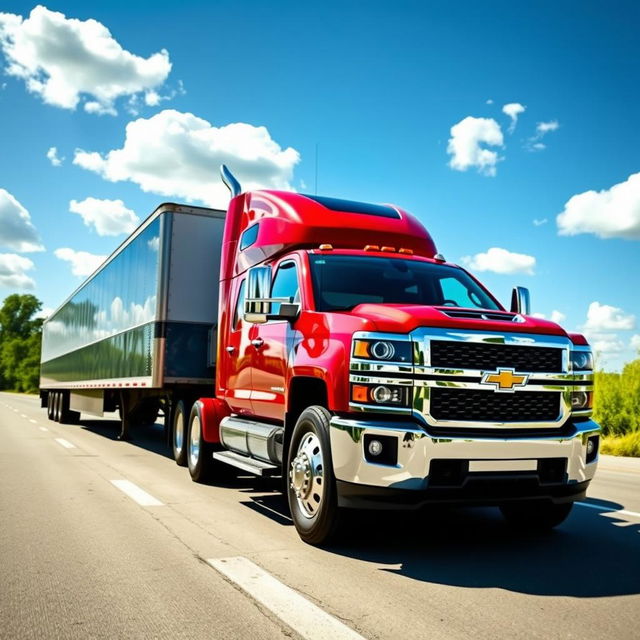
(230, 181)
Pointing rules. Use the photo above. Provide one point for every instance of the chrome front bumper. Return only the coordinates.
(486, 455)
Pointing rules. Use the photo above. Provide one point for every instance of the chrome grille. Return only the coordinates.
(449, 354)
(470, 405)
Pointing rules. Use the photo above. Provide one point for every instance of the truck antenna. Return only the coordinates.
(230, 181)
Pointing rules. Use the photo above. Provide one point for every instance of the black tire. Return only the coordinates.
(535, 515)
(199, 453)
(57, 406)
(50, 404)
(179, 424)
(311, 485)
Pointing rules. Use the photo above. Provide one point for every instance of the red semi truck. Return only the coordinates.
(349, 358)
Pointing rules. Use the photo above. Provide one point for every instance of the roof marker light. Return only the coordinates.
(326, 247)
(388, 249)
(407, 252)
(372, 247)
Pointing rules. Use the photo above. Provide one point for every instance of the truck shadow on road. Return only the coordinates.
(593, 554)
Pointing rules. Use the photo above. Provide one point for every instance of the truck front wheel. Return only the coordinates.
(311, 487)
(535, 515)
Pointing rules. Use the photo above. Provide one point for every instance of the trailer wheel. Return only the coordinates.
(199, 453)
(50, 404)
(57, 406)
(535, 515)
(311, 487)
(179, 433)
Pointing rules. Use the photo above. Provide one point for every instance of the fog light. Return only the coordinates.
(375, 447)
(592, 448)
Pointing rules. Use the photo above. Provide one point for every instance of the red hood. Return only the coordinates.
(401, 318)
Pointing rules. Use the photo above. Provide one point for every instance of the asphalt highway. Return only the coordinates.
(107, 539)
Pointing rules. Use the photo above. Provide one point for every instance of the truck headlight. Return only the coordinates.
(581, 400)
(385, 350)
(381, 394)
(582, 360)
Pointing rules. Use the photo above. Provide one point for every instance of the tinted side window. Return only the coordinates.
(239, 311)
(285, 284)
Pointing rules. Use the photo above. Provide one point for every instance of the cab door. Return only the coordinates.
(273, 343)
(237, 355)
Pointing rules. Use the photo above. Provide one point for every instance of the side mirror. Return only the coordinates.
(258, 305)
(520, 301)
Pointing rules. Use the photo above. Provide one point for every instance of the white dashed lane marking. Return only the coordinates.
(298, 613)
(65, 443)
(137, 494)
(607, 510)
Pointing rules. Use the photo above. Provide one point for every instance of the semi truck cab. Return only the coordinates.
(370, 372)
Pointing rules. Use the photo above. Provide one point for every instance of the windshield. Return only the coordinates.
(342, 282)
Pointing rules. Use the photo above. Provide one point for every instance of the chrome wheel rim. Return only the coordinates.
(306, 475)
(194, 442)
(178, 435)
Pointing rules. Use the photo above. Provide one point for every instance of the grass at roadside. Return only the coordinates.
(626, 445)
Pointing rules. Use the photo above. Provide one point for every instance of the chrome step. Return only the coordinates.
(251, 465)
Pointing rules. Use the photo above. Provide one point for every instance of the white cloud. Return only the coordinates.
(489, 101)
(53, 156)
(178, 154)
(501, 261)
(82, 263)
(542, 128)
(635, 342)
(604, 317)
(63, 60)
(16, 230)
(44, 313)
(464, 145)
(556, 316)
(611, 213)
(108, 217)
(12, 272)
(605, 344)
(538, 222)
(513, 110)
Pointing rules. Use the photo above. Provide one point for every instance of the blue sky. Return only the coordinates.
(377, 88)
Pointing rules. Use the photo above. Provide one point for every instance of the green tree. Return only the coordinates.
(20, 339)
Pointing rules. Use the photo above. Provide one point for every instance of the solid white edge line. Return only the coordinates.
(137, 494)
(65, 443)
(604, 509)
(298, 613)
(44, 429)
(32, 420)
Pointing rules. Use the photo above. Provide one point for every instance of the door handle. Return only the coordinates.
(230, 349)
(257, 342)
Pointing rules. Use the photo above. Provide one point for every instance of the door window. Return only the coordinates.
(285, 284)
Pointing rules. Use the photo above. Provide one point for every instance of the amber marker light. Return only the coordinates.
(326, 247)
(388, 249)
(361, 349)
(406, 252)
(372, 247)
(359, 393)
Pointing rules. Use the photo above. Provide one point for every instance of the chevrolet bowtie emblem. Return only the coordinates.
(505, 379)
